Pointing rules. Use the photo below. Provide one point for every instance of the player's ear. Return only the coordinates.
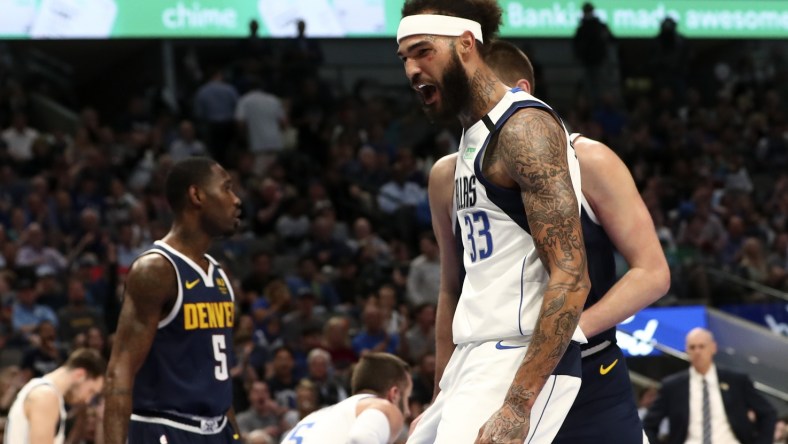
(195, 195)
(393, 394)
(80, 375)
(524, 85)
(466, 44)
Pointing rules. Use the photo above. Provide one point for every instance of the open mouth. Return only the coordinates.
(428, 93)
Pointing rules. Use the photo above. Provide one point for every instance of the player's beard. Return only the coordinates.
(455, 93)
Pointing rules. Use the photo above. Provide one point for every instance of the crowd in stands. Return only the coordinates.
(336, 255)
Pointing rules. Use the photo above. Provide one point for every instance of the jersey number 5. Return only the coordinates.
(472, 221)
(220, 354)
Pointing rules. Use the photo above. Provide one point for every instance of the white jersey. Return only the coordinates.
(17, 429)
(329, 425)
(504, 278)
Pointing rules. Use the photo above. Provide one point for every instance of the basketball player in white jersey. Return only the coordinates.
(38, 414)
(516, 369)
(614, 216)
(381, 385)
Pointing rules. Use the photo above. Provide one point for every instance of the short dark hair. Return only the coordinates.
(88, 359)
(187, 172)
(510, 63)
(378, 372)
(486, 12)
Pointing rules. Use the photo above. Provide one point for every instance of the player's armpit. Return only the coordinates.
(441, 192)
(533, 148)
(151, 288)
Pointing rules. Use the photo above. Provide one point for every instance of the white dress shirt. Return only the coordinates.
(721, 432)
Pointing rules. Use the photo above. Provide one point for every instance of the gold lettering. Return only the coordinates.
(218, 310)
(203, 309)
(189, 316)
(229, 311)
(211, 314)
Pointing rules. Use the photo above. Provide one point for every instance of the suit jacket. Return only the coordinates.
(738, 396)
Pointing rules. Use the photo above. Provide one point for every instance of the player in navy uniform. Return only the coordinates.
(514, 373)
(168, 377)
(614, 217)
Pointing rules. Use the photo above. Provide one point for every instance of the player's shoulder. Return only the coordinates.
(531, 124)
(152, 261)
(595, 156)
(392, 412)
(151, 271)
(42, 396)
(444, 165)
(442, 172)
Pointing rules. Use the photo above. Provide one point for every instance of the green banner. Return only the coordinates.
(633, 18)
(373, 18)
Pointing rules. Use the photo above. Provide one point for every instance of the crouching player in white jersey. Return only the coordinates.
(516, 369)
(381, 385)
(614, 217)
(38, 414)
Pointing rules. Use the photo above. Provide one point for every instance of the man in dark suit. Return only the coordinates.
(707, 405)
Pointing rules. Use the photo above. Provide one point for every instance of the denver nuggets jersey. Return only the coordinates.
(329, 425)
(504, 279)
(601, 264)
(187, 370)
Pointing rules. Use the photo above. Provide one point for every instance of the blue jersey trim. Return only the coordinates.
(507, 199)
(522, 296)
(460, 248)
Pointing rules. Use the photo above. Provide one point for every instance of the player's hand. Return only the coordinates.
(506, 426)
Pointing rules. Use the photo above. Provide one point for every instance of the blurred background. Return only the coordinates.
(307, 106)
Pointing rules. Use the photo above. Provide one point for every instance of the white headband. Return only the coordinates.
(437, 25)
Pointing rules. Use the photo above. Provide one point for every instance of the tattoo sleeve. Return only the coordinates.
(532, 146)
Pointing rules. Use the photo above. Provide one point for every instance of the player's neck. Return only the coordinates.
(189, 241)
(486, 92)
(61, 379)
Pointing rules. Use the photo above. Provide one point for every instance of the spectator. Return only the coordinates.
(336, 340)
(34, 252)
(19, 139)
(260, 276)
(77, 317)
(45, 355)
(187, 144)
(423, 384)
(282, 381)
(424, 274)
(328, 387)
(27, 314)
(214, 109)
(374, 337)
(696, 409)
(263, 413)
(306, 315)
(420, 338)
(262, 119)
(591, 45)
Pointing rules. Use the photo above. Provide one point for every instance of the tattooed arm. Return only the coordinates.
(150, 290)
(532, 152)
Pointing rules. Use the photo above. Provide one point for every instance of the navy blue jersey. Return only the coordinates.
(187, 370)
(601, 267)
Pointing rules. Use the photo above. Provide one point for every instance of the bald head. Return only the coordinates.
(701, 349)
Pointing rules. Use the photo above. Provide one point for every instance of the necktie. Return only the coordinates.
(706, 414)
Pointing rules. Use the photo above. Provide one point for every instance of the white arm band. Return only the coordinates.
(371, 427)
